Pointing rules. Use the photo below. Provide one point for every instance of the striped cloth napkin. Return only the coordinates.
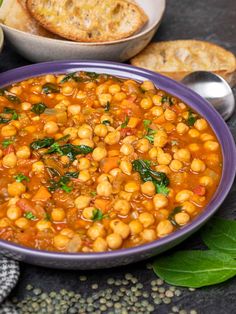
(9, 275)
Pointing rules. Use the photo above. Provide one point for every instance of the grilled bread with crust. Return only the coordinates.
(178, 58)
(14, 13)
(89, 21)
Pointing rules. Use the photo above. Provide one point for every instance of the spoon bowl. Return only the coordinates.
(214, 89)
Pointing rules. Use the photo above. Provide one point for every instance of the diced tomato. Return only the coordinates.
(29, 206)
(127, 131)
(199, 190)
(9, 149)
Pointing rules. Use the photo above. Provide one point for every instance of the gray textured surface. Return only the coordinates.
(213, 20)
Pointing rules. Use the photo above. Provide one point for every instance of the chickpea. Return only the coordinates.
(114, 89)
(153, 153)
(163, 168)
(119, 96)
(58, 214)
(188, 207)
(160, 201)
(146, 103)
(157, 111)
(164, 158)
(43, 225)
(146, 219)
(4, 222)
(104, 188)
(126, 167)
(14, 212)
(135, 227)
(198, 165)
(212, 159)
(99, 153)
(164, 228)
(211, 145)
(122, 207)
(148, 235)
(72, 132)
(193, 133)
(99, 245)
(26, 106)
(200, 124)
(74, 109)
(22, 223)
(182, 128)
(67, 90)
(104, 99)
(127, 149)
(143, 145)
(120, 228)
(95, 231)
(85, 141)
(9, 160)
(60, 241)
(206, 181)
(82, 201)
(183, 154)
(183, 195)
(67, 232)
(176, 165)
(50, 78)
(148, 188)
(16, 188)
(88, 212)
(132, 186)
(38, 167)
(8, 130)
(129, 139)
(169, 115)
(85, 131)
(100, 130)
(207, 137)
(51, 127)
(147, 85)
(23, 152)
(157, 100)
(112, 138)
(182, 218)
(160, 138)
(104, 177)
(194, 147)
(83, 163)
(114, 241)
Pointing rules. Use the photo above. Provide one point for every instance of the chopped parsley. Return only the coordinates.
(21, 177)
(93, 193)
(162, 189)
(192, 118)
(149, 132)
(167, 99)
(47, 217)
(30, 216)
(6, 143)
(124, 124)
(63, 182)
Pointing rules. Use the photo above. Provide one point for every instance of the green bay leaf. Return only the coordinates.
(195, 269)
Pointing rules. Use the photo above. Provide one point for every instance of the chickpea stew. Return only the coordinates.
(93, 163)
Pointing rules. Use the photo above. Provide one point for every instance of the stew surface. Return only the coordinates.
(91, 163)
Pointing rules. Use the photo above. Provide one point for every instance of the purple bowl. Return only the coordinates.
(125, 256)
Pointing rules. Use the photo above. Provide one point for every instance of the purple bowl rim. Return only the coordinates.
(175, 88)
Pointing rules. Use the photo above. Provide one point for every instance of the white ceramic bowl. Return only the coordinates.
(1, 39)
(38, 48)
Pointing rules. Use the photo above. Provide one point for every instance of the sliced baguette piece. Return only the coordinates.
(178, 58)
(14, 13)
(88, 20)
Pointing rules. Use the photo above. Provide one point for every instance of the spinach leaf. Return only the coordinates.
(47, 217)
(39, 108)
(220, 235)
(171, 217)
(162, 189)
(98, 215)
(69, 77)
(148, 174)
(124, 124)
(195, 268)
(72, 151)
(73, 174)
(75, 76)
(50, 88)
(62, 184)
(6, 143)
(43, 143)
(21, 177)
(192, 118)
(30, 216)
(107, 107)
(10, 97)
(4, 118)
(167, 99)
(150, 132)
(92, 75)
(106, 122)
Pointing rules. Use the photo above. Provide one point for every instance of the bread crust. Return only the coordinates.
(88, 21)
(178, 58)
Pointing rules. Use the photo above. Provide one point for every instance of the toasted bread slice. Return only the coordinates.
(178, 58)
(88, 21)
(14, 13)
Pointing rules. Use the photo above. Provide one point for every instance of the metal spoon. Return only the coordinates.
(214, 89)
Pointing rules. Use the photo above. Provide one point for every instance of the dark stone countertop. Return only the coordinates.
(212, 20)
